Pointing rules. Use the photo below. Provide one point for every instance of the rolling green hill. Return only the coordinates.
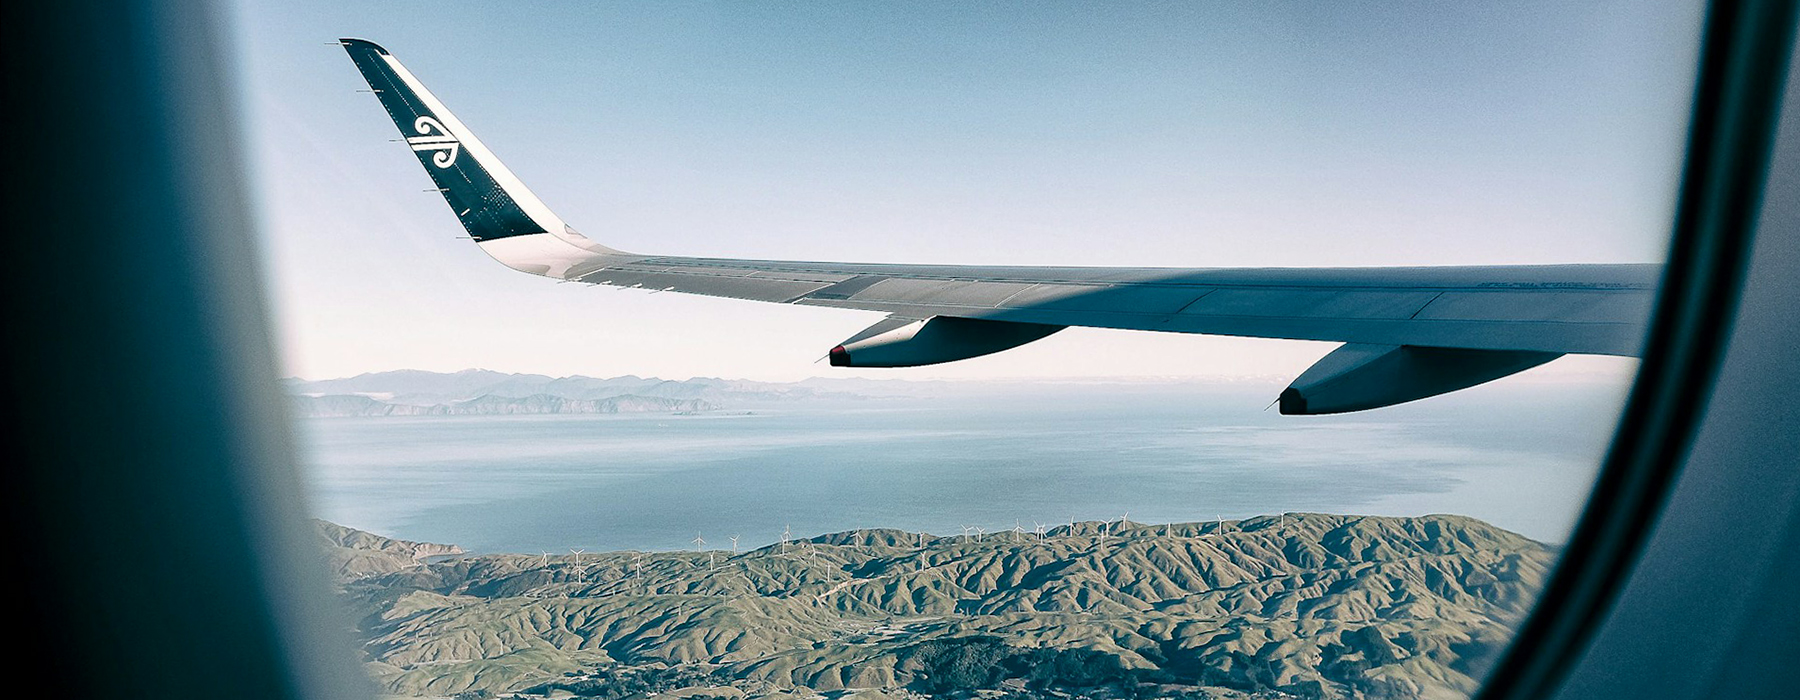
(1304, 604)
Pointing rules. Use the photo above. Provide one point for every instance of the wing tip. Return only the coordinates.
(355, 43)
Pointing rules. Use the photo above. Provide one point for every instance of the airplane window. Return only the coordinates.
(1187, 350)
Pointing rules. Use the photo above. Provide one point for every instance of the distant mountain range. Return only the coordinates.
(485, 392)
(410, 392)
(358, 406)
(1301, 605)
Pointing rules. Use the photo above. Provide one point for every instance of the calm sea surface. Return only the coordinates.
(1519, 455)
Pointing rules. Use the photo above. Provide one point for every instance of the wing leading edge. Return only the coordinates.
(1410, 332)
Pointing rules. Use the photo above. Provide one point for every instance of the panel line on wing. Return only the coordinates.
(1182, 310)
(1427, 305)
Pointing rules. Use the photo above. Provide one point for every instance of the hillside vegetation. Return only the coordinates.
(351, 553)
(1298, 605)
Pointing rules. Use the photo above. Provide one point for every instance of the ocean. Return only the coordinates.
(1520, 455)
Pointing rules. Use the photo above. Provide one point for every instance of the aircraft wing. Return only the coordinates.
(1409, 332)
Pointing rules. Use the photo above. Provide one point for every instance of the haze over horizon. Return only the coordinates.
(1618, 371)
(1184, 135)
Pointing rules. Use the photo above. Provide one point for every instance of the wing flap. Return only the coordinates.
(1139, 299)
(742, 287)
(1312, 303)
(1610, 338)
(1561, 306)
(943, 292)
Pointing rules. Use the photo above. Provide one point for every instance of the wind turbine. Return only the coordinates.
(1040, 530)
(698, 543)
(734, 539)
(546, 562)
(787, 531)
(577, 553)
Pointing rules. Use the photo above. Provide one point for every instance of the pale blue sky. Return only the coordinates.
(1183, 134)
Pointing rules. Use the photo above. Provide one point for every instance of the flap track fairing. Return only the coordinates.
(903, 342)
(1357, 377)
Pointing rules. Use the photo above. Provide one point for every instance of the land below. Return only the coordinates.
(1296, 605)
(478, 392)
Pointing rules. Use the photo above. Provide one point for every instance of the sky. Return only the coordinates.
(1137, 134)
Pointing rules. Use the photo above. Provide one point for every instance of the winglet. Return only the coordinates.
(363, 44)
(487, 198)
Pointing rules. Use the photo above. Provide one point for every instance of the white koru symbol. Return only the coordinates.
(434, 137)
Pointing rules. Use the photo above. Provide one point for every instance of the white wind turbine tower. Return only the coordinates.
(734, 539)
(698, 543)
(1017, 528)
(965, 530)
(545, 564)
(580, 570)
(980, 532)
(787, 532)
(1040, 530)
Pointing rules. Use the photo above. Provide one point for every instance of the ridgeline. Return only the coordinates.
(1300, 605)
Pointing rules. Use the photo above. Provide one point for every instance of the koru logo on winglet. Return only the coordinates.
(434, 137)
